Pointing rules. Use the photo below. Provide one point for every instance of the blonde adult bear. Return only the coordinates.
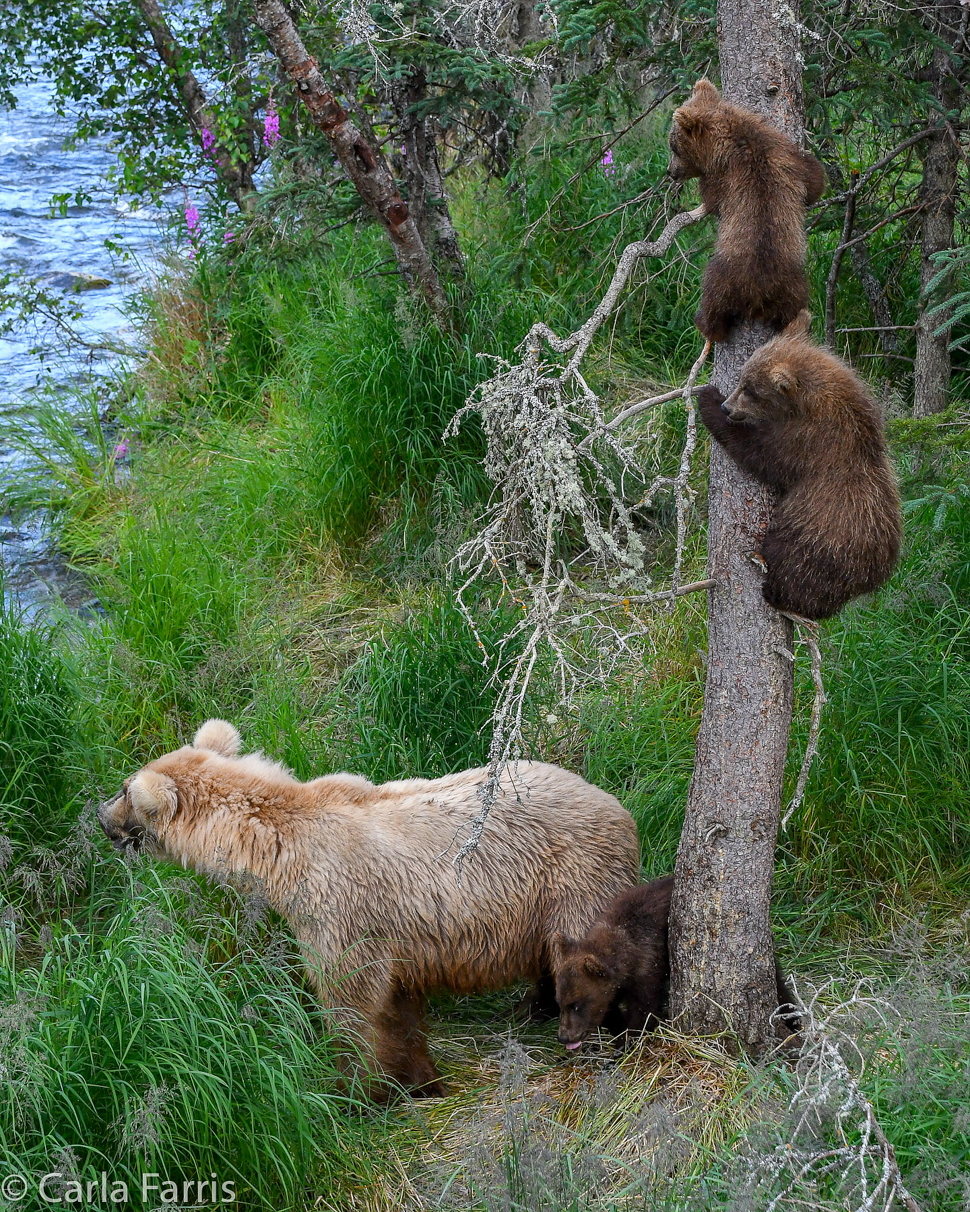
(364, 874)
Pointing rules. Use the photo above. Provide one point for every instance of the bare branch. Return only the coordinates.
(881, 328)
(559, 468)
(833, 1133)
(808, 635)
(833, 277)
(635, 409)
(582, 338)
(601, 151)
(871, 171)
(661, 595)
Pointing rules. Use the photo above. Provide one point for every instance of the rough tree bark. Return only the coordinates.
(235, 172)
(360, 161)
(938, 201)
(427, 199)
(722, 954)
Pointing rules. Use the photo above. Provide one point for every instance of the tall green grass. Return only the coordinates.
(418, 702)
(274, 550)
(138, 1049)
(42, 754)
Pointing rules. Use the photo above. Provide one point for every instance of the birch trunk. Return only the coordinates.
(363, 165)
(722, 956)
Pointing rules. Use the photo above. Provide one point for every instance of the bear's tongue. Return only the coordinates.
(573, 1047)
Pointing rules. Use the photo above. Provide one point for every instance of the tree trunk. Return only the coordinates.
(426, 192)
(876, 294)
(359, 160)
(722, 956)
(239, 26)
(938, 208)
(235, 172)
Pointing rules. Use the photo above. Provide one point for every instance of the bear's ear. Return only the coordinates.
(219, 736)
(152, 794)
(688, 120)
(800, 329)
(594, 968)
(783, 380)
(705, 93)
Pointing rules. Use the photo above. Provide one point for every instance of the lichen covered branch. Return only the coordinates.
(833, 1140)
(563, 536)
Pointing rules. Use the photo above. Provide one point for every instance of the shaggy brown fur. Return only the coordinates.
(618, 976)
(801, 422)
(758, 183)
(364, 875)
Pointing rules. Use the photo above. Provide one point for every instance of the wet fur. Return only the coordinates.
(806, 426)
(618, 975)
(364, 875)
(758, 183)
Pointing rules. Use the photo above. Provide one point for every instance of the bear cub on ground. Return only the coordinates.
(801, 422)
(758, 183)
(618, 976)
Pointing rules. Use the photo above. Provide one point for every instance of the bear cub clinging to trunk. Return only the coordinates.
(618, 976)
(758, 183)
(801, 422)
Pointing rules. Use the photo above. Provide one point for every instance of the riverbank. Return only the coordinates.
(76, 254)
(268, 526)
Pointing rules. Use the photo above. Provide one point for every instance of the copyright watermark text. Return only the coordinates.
(155, 1190)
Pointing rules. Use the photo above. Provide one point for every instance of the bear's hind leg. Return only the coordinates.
(785, 300)
(401, 1047)
(801, 578)
(724, 301)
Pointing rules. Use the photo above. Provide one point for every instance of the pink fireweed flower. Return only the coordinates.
(208, 141)
(122, 449)
(271, 126)
(194, 226)
(608, 167)
(228, 237)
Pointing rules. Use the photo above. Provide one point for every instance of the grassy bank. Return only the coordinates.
(267, 520)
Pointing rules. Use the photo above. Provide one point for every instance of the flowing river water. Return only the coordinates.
(35, 165)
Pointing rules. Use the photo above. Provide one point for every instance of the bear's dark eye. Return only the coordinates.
(576, 1007)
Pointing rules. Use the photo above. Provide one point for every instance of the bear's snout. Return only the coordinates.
(122, 836)
(734, 406)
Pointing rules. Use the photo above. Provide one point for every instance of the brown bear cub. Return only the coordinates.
(618, 976)
(758, 183)
(801, 422)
